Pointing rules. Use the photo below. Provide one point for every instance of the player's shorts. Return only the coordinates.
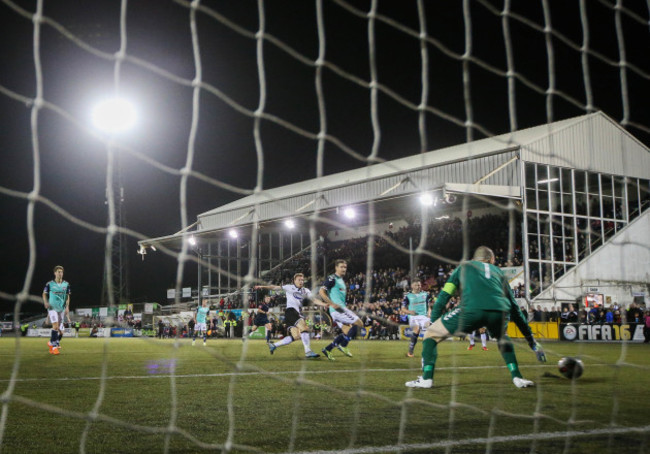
(291, 317)
(55, 316)
(461, 321)
(347, 317)
(261, 319)
(200, 327)
(419, 320)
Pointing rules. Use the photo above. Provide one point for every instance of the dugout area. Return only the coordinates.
(573, 196)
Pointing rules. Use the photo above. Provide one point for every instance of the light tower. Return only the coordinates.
(112, 117)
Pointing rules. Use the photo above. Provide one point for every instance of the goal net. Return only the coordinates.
(272, 138)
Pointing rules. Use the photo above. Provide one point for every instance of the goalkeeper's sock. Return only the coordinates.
(414, 340)
(508, 353)
(429, 357)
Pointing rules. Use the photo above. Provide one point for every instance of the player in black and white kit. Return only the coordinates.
(297, 295)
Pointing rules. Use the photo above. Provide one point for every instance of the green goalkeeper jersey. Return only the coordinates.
(483, 286)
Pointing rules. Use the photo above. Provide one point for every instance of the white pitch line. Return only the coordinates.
(230, 374)
(484, 441)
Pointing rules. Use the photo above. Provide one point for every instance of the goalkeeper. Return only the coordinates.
(486, 300)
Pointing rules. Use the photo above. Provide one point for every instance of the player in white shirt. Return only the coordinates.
(297, 295)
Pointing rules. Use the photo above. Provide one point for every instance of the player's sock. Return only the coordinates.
(472, 336)
(414, 340)
(268, 335)
(484, 339)
(205, 337)
(54, 337)
(286, 340)
(353, 332)
(345, 341)
(334, 344)
(508, 353)
(429, 357)
(306, 341)
(337, 341)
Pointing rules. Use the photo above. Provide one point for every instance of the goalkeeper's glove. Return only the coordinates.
(539, 352)
(537, 348)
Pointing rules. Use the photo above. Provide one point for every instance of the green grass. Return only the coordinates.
(283, 402)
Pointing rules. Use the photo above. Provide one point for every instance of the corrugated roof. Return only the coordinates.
(529, 139)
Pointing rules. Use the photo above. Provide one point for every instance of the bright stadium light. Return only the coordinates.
(192, 241)
(426, 199)
(233, 233)
(114, 115)
(290, 223)
(349, 213)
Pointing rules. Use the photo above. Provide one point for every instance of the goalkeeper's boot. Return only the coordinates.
(522, 382)
(345, 350)
(311, 354)
(328, 353)
(410, 354)
(471, 347)
(272, 347)
(420, 383)
(485, 349)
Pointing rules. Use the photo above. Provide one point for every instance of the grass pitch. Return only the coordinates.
(144, 395)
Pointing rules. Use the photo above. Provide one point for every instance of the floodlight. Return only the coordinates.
(350, 213)
(233, 233)
(290, 223)
(426, 199)
(114, 115)
(192, 241)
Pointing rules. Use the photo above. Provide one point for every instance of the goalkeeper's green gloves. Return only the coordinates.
(537, 348)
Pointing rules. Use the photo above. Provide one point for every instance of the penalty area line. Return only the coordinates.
(230, 374)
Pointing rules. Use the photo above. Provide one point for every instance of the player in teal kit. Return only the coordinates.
(486, 300)
(416, 306)
(200, 320)
(56, 299)
(333, 294)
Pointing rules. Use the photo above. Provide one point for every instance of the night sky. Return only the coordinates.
(73, 162)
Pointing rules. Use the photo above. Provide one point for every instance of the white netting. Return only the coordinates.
(229, 88)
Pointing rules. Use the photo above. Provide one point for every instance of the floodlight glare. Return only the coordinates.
(426, 199)
(192, 241)
(349, 213)
(289, 223)
(114, 115)
(233, 233)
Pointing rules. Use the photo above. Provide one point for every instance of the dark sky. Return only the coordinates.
(73, 163)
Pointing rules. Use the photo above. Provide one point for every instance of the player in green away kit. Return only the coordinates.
(200, 322)
(56, 299)
(416, 306)
(486, 300)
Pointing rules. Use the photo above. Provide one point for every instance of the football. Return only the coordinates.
(571, 368)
